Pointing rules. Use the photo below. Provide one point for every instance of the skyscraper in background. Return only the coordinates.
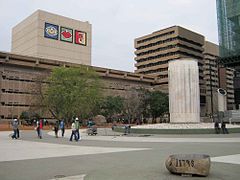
(228, 12)
(155, 50)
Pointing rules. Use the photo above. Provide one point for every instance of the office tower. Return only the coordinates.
(228, 12)
(155, 50)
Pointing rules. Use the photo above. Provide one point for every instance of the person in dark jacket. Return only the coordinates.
(224, 129)
(216, 127)
(56, 128)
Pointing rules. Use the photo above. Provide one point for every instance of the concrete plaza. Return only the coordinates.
(111, 156)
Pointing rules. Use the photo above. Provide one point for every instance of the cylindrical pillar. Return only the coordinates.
(184, 97)
(222, 100)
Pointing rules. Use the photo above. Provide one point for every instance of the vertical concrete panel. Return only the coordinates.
(184, 94)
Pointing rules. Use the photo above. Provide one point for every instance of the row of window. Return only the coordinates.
(14, 104)
(212, 60)
(169, 54)
(155, 57)
(211, 55)
(163, 76)
(15, 78)
(213, 86)
(157, 50)
(152, 64)
(169, 40)
(155, 37)
(10, 91)
(170, 47)
(214, 81)
(212, 74)
(157, 43)
(156, 71)
(210, 71)
(159, 63)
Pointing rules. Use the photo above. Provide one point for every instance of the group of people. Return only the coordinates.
(59, 125)
(38, 127)
(218, 129)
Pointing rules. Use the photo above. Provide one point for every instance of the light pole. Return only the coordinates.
(211, 90)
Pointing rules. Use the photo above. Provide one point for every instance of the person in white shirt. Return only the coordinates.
(73, 127)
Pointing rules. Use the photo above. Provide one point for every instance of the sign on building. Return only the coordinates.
(80, 38)
(51, 31)
(66, 34)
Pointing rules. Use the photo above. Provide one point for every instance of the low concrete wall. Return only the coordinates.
(174, 131)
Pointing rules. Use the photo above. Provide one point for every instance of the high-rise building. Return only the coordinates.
(153, 51)
(52, 36)
(212, 73)
(228, 12)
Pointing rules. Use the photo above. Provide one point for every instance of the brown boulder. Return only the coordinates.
(189, 164)
(100, 120)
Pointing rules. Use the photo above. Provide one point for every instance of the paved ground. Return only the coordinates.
(111, 156)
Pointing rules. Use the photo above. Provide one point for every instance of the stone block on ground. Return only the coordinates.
(193, 164)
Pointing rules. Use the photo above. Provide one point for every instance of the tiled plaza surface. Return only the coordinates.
(112, 156)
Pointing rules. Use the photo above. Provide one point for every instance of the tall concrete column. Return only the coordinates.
(184, 97)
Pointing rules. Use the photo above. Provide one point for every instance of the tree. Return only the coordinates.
(134, 103)
(37, 105)
(158, 104)
(72, 92)
(111, 106)
(28, 116)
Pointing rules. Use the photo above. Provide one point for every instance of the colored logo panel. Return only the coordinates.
(51, 31)
(80, 38)
(66, 34)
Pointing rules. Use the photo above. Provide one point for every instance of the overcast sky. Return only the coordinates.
(116, 23)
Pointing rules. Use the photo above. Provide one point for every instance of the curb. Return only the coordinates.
(174, 131)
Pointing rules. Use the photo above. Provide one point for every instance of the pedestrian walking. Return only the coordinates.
(15, 126)
(38, 128)
(77, 129)
(56, 128)
(73, 127)
(127, 129)
(216, 127)
(224, 129)
(62, 127)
